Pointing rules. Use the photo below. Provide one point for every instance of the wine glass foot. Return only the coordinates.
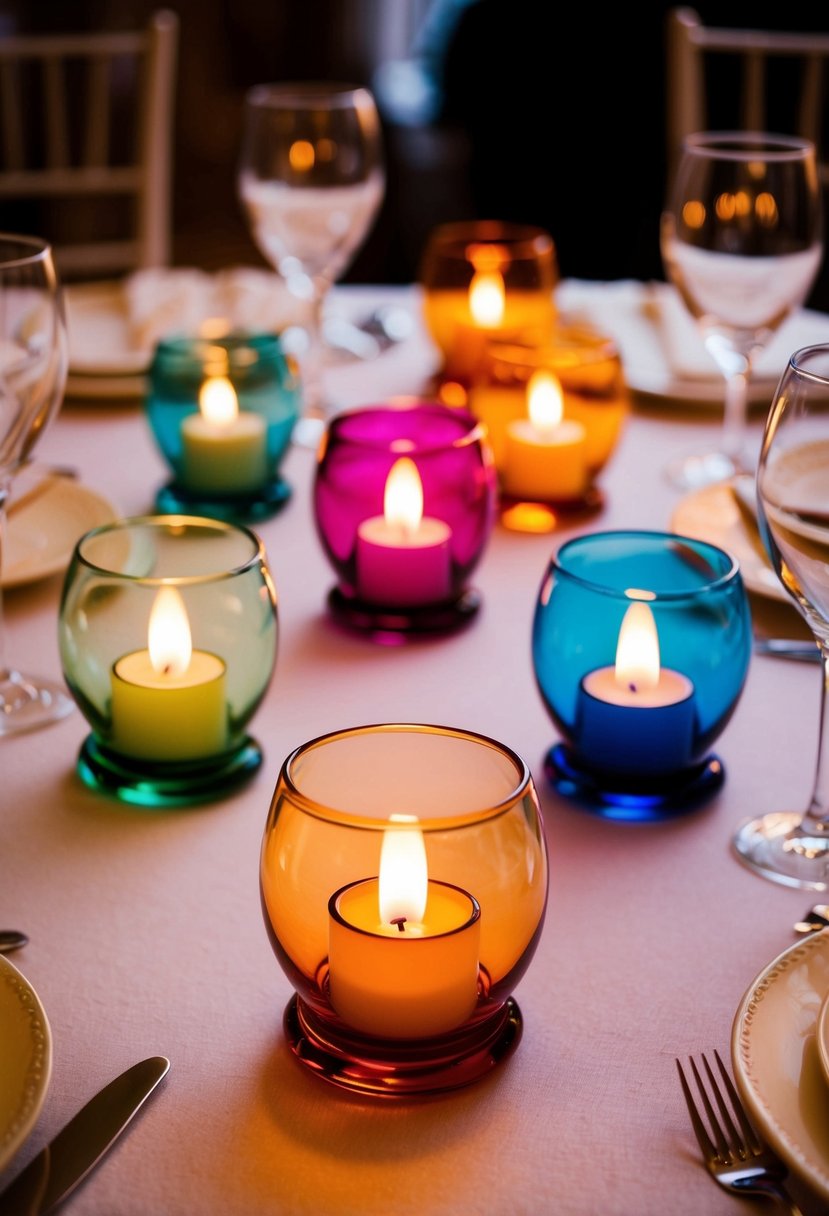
(706, 469)
(781, 847)
(27, 703)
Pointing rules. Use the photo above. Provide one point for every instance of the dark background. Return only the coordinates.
(521, 110)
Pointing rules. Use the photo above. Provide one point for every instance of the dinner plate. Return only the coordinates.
(25, 1058)
(711, 514)
(823, 1036)
(42, 532)
(776, 1061)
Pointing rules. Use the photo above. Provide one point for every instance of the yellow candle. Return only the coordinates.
(169, 701)
(403, 949)
(223, 449)
(545, 455)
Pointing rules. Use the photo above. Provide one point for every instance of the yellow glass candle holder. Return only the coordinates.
(403, 879)
(486, 281)
(550, 457)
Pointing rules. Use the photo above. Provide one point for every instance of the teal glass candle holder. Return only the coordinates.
(222, 411)
(641, 644)
(168, 640)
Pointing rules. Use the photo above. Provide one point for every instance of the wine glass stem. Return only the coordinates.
(313, 395)
(816, 819)
(734, 416)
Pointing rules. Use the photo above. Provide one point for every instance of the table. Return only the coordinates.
(146, 935)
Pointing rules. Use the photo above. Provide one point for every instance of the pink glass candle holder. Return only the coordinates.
(403, 879)
(405, 498)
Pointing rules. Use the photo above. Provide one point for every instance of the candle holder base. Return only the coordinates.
(391, 1068)
(174, 499)
(391, 625)
(169, 783)
(527, 515)
(633, 798)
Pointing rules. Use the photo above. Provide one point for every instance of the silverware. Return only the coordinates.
(788, 648)
(59, 1167)
(738, 1160)
(12, 939)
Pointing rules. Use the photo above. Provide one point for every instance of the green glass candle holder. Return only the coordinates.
(168, 638)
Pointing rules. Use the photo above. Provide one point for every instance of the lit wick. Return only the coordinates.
(400, 921)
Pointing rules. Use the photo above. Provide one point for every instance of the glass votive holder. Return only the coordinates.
(168, 639)
(554, 414)
(403, 879)
(405, 499)
(222, 410)
(486, 281)
(641, 644)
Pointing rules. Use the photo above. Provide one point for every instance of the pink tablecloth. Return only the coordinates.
(147, 937)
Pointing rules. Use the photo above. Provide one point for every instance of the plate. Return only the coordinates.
(99, 335)
(775, 1058)
(711, 514)
(25, 1058)
(823, 1036)
(42, 532)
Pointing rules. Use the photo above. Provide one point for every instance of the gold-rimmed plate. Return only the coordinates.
(25, 1058)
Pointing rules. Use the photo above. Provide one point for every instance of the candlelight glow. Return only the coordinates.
(487, 298)
(218, 402)
(637, 653)
(404, 876)
(403, 498)
(301, 155)
(545, 401)
(169, 640)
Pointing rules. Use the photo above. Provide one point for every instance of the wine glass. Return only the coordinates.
(311, 181)
(33, 368)
(792, 847)
(741, 239)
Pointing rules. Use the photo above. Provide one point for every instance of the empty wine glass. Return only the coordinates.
(311, 181)
(792, 847)
(33, 368)
(741, 240)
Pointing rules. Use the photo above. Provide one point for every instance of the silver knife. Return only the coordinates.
(59, 1167)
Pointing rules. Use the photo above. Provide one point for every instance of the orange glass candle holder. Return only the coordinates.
(403, 879)
(554, 414)
(486, 281)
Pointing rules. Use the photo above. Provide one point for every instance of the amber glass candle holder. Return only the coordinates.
(168, 636)
(403, 880)
(554, 414)
(222, 411)
(405, 499)
(486, 281)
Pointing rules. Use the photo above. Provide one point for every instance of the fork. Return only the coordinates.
(738, 1160)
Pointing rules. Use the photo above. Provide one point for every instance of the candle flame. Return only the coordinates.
(487, 298)
(403, 881)
(637, 654)
(169, 639)
(403, 498)
(218, 402)
(545, 400)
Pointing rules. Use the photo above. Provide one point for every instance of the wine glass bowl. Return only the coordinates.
(311, 180)
(792, 847)
(741, 241)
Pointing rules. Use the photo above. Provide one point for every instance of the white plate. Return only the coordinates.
(711, 514)
(775, 1058)
(99, 336)
(42, 533)
(25, 1058)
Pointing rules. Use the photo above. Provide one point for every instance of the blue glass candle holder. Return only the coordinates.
(222, 411)
(168, 637)
(641, 644)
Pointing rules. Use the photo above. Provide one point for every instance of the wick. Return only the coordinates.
(400, 921)
(632, 686)
(168, 667)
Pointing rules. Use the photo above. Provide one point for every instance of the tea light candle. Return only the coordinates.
(403, 557)
(169, 701)
(545, 455)
(636, 716)
(403, 949)
(223, 449)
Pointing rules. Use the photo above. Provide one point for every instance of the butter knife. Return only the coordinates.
(59, 1167)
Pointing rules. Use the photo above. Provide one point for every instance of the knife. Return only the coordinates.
(59, 1167)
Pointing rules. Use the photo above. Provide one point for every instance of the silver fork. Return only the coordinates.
(738, 1160)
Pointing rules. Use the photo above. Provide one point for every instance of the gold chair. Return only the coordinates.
(86, 132)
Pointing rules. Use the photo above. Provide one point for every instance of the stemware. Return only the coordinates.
(311, 181)
(33, 369)
(741, 240)
(792, 847)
